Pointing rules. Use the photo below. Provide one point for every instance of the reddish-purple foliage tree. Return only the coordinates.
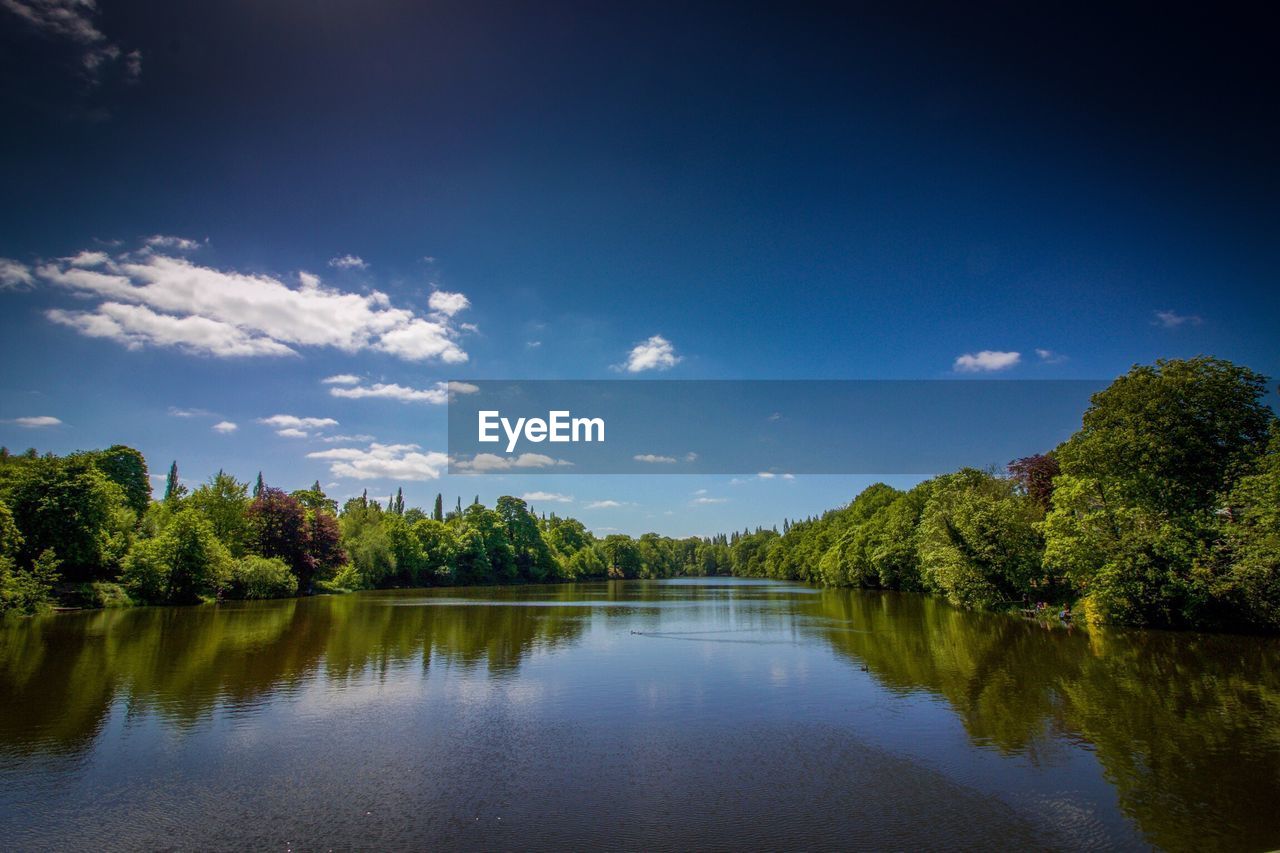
(1035, 475)
(325, 545)
(279, 528)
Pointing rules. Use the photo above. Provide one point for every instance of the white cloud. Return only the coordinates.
(168, 241)
(225, 427)
(533, 344)
(1048, 356)
(75, 21)
(554, 497)
(136, 326)
(348, 262)
(341, 379)
(176, 412)
(292, 426)
(485, 462)
(691, 457)
(438, 394)
(602, 505)
(705, 501)
(35, 422)
(653, 458)
(986, 361)
(384, 461)
(154, 299)
(15, 275)
(447, 303)
(88, 259)
(1171, 319)
(657, 353)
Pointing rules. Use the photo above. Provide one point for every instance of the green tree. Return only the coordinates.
(126, 467)
(978, 542)
(180, 566)
(68, 505)
(173, 488)
(224, 502)
(1137, 503)
(532, 557)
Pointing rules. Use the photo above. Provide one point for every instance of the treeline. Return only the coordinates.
(84, 530)
(1162, 510)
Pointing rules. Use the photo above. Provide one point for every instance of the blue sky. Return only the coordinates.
(743, 191)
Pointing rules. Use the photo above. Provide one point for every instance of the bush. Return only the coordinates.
(99, 594)
(262, 577)
(28, 592)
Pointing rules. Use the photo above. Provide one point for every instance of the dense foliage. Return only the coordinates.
(1163, 509)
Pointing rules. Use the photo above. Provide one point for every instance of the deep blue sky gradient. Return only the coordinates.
(780, 190)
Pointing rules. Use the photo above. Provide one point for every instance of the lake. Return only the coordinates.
(678, 714)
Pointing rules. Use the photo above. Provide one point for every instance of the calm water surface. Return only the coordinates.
(644, 714)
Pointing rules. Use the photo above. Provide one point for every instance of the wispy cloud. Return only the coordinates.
(654, 459)
(15, 275)
(437, 394)
(656, 353)
(158, 300)
(348, 262)
(986, 361)
(605, 504)
(35, 421)
(225, 427)
(76, 21)
(483, 463)
(1048, 356)
(1171, 319)
(553, 497)
(341, 379)
(384, 461)
(704, 501)
(171, 242)
(176, 412)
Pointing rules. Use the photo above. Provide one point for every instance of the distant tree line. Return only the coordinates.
(1162, 510)
(83, 529)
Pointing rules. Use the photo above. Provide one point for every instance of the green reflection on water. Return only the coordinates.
(1186, 726)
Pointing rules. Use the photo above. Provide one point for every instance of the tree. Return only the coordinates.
(438, 512)
(224, 502)
(68, 505)
(368, 542)
(181, 566)
(126, 467)
(278, 528)
(533, 560)
(21, 590)
(978, 543)
(258, 487)
(1034, 475)
(620, 555)
(173, 488)
(1243, 571)
(1142, 483)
